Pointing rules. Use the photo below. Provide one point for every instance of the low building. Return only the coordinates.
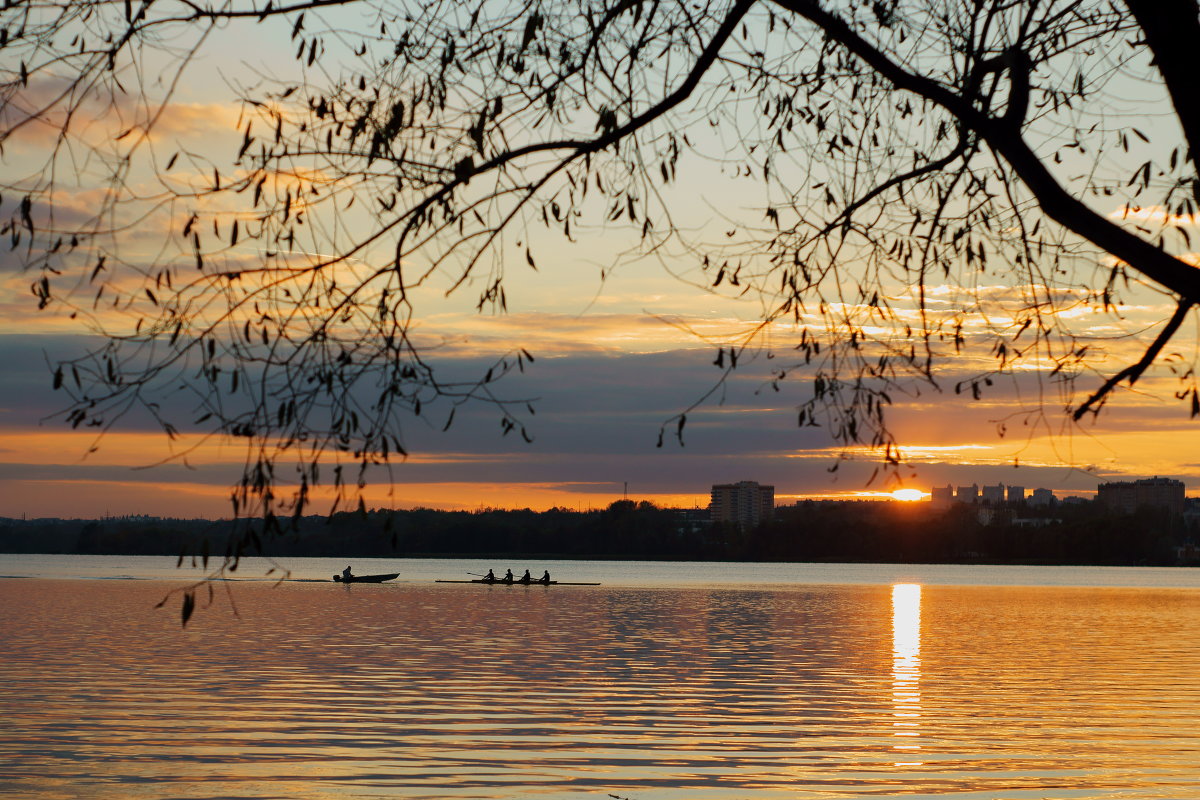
(1191, 514)
(990, 515)
(1187, 553)
(692, 520)
(1128, 496)
(746, 502)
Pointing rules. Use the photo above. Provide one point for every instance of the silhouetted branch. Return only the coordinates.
(1134, 371)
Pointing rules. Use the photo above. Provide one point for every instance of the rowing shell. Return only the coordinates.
(366, 578)
(521, 583)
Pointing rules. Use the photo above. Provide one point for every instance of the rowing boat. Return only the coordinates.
(366, 578)
(520, 583)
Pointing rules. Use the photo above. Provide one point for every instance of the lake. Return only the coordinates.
(669, 681)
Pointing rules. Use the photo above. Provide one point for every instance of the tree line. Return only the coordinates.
(810, 531)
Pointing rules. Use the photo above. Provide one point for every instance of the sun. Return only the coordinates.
(909, 495)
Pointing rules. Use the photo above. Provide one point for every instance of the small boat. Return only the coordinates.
(499, 582)
(366, 578)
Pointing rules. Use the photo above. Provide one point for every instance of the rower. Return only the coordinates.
(490, 577)
(346, 575)
(545, 577)
(508, 576)
(525, 578)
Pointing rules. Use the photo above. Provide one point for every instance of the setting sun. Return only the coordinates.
(909, 495)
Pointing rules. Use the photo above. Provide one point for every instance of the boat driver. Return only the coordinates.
(346, 575)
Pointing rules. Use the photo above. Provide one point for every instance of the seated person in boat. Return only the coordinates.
(525, 578)
(545, 577)
(490, 577)
(508, 576)
(346, 574)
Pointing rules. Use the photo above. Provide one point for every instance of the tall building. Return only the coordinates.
(968, 494)
(941, 498)
(1128, 496)
(1016, 494)
(1042, 497)
(994, 494)
(746, 503)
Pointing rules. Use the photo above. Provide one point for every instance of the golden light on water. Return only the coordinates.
(420, 689)
(906, 668)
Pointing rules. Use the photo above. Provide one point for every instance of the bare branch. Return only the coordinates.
(1131, 373)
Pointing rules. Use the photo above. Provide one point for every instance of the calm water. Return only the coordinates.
(669, 681)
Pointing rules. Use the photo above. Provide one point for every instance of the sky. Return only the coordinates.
(616, 358)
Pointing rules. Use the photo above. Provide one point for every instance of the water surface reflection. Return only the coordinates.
(906, 668)
(446, 691)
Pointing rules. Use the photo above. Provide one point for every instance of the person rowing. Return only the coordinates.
(346, 574)
(545, 577)
(526, 578)
(490, 577)
(508, 576)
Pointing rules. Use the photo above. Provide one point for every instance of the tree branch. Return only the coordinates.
(1134, 371)
(1172, 29)
(583, 147)
(1056, 202)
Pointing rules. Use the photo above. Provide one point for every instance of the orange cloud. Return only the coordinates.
(1151, 213)
(38, 113)
(85, 498)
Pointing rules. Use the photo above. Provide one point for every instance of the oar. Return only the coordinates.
(477, 575)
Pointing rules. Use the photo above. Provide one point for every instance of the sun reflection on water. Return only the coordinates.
(906, 669)
(429, 691)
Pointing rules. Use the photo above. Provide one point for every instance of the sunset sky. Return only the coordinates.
(604, 380)
(616, 357)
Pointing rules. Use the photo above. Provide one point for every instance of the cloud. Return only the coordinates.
(37, 114)
(599, 409)
(559, 334)
(1152, 213)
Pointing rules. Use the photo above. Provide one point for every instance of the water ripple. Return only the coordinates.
(422, 691)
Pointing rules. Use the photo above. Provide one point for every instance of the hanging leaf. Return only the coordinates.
(189, 605)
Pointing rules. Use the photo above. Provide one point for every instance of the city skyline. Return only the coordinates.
(936, 496)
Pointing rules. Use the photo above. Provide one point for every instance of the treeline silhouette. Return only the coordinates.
(814, 531)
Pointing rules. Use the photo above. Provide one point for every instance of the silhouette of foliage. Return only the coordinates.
(1067, 533)
(928, 179)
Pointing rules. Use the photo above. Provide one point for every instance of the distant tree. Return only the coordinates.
(927, 177)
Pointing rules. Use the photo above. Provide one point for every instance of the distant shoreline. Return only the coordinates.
(827, 532)
(497, 556)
